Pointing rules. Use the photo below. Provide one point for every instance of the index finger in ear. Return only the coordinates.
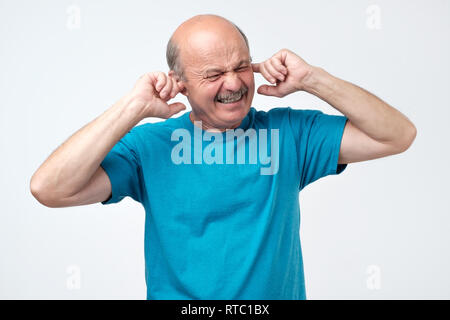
(175, 88)
(161, 81)
(277, 64)
(255, 67)
(180, 85)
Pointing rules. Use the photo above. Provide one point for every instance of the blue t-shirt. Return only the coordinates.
(225, 229)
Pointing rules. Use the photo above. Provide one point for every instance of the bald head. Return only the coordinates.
(194, 33)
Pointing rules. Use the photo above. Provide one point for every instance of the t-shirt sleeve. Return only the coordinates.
(318, 141)
(123, 168)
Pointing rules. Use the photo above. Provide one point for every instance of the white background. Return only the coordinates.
(380, 230)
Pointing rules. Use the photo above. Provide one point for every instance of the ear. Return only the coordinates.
(180, 82)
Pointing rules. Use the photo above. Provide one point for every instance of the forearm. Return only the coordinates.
(70, 167)
(366, 111)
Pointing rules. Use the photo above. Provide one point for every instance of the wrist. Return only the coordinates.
(134, 107)
(311, 79)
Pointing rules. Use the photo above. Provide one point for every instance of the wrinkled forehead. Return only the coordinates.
(206, 49)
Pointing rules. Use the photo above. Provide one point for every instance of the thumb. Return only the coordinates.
(176, 107)
(255, 67)
(268, 90)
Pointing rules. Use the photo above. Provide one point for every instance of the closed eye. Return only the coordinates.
(214, 76)
(243, 68)
(217, 75)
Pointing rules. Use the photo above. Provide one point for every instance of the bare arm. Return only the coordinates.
(374, 129)
(72, 175)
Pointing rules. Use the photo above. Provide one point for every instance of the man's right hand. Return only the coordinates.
(72, 174)
(153, 90)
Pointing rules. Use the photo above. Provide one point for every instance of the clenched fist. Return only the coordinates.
(286, 71)
(153, 90)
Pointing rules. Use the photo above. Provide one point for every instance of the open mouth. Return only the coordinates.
(232, 99)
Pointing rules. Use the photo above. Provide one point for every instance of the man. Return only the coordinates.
(220, 229)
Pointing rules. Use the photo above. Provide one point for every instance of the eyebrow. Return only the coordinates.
(243, 61)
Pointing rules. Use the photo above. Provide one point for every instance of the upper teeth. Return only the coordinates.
(233, 98)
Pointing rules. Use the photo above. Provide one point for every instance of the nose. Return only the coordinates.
(232, 82)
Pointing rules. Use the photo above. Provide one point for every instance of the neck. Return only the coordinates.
(208, 127)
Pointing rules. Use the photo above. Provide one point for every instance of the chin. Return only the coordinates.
(233, 112)
(232, 118)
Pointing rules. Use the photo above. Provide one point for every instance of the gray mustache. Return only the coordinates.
(232, 95)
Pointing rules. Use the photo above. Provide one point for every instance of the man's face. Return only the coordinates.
(220, 82)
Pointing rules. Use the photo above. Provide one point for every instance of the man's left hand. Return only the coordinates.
(286, 71)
